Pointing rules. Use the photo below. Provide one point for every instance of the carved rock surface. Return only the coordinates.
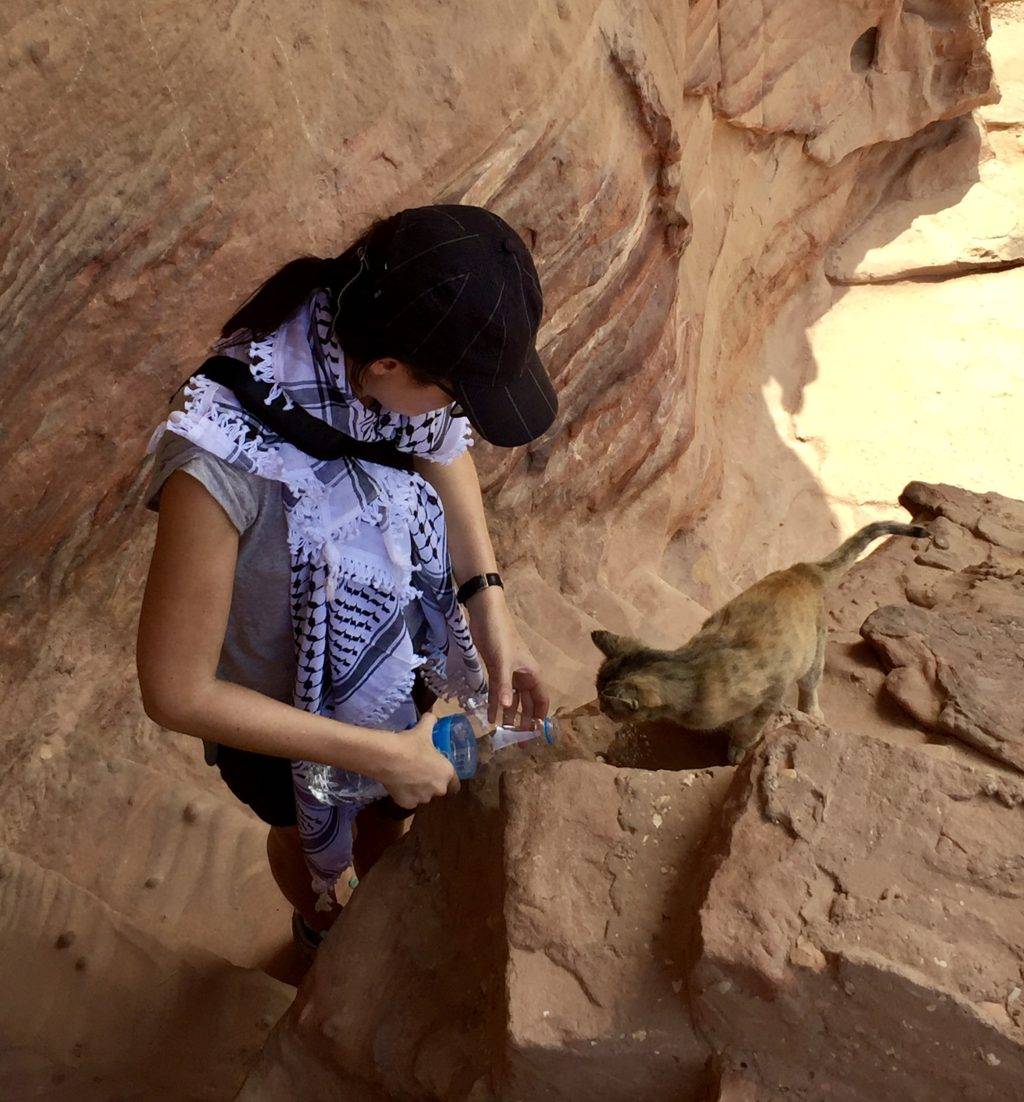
(955, 656)
(934, 325)
(861, 937)
(675, 167)
(838, 918)
(419, 1012)
(96, 1007)
(959, 208)
(602, 886)
(561, 974)
(870, 52)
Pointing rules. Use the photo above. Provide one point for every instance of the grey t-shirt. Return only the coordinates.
(259, 644)
(258, 650)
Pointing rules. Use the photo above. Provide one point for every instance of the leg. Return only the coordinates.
(745, 732)
(374, 834)
(808, 684)
(288, 866)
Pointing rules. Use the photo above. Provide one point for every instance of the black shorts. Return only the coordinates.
(265, 783)
(262, 782)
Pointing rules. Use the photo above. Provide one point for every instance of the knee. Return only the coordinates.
(283, 845)
(374, 833)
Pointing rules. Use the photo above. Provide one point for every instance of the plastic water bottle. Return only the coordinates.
(501, 737)
(511, 736)
(331, 785)
(453, 736)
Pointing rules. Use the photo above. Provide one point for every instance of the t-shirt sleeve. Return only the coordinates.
(235, 491)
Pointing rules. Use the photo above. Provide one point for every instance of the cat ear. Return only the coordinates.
(614, 646)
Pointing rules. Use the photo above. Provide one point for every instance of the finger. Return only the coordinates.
(530, 716)
(454, 785)
(509, 718)
(541, 701)
(504, 684)
(499, 702)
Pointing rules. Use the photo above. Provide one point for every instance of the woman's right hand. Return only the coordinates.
(419, 772)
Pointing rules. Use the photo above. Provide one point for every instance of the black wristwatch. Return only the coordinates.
(473, 586)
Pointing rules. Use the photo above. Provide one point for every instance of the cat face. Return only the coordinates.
(628, 683)
(621, 700)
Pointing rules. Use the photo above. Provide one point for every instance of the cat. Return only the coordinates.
(733, 673)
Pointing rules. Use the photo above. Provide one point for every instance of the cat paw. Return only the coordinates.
(810, 710)
(738, 753)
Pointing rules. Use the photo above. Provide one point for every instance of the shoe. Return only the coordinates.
(305, 937)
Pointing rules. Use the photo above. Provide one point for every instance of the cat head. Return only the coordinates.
(636, 683)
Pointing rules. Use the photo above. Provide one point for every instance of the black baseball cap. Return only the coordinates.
(453, 290)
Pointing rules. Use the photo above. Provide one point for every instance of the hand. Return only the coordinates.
(419, 772)
(515, 684)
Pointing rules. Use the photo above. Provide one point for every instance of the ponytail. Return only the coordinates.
(275, 300)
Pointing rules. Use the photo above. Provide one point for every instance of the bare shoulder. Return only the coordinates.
(187, 597)
(193, 530)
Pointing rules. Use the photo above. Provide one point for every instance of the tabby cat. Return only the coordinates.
(733, 673)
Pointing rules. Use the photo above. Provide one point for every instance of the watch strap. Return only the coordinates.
(473, 586)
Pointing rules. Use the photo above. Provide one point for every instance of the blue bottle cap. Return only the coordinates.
(453, 736)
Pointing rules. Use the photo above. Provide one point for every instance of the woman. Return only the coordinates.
(301, 603)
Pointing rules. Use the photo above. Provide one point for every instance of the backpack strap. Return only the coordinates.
(308, 433)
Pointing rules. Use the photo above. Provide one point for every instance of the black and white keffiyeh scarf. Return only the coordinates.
(368, 546)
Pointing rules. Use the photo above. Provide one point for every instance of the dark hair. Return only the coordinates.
(278, 297)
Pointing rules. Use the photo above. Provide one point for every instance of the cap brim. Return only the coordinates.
(513, 413)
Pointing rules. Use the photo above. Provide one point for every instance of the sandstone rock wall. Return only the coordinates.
(907, 342)
(955, 653)
(674, 167)
(859, 937)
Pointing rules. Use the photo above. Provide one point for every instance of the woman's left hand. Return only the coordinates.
(515, 683)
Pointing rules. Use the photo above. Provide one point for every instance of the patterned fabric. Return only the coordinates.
(366, 543)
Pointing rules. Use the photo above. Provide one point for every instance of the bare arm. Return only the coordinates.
(458, 487)
(181, 632)
(515, 683)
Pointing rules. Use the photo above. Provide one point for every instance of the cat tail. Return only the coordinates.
(846, 554)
